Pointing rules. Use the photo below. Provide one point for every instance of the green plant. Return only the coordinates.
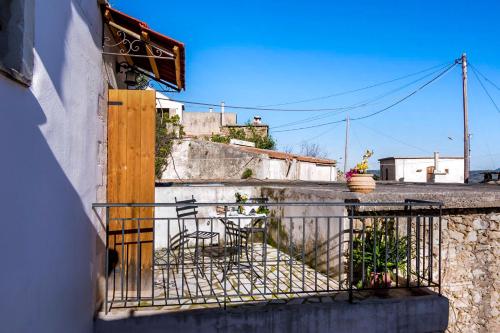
(263, 210)
(241, 198)
(219, 138)
(167, 130)
(261, 141)
(379, 253)
(247, 174)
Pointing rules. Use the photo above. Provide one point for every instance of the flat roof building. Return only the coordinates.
(423, 169)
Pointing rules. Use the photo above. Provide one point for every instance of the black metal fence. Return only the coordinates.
(189, 254)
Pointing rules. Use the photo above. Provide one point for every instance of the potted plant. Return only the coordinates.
(379, 255)
(241, 198)
(358, 180)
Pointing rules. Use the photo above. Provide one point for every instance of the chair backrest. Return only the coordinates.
(234, 235)
(186, 208)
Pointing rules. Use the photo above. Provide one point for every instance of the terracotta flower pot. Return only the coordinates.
(361, 183)
(380, 280)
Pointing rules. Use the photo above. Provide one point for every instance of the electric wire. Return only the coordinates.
(346, 92)
(393, 138)
(484, 77)
(361, 104)
(379, 111)
(484, 88)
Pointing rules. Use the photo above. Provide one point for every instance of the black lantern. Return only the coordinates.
(130, 74)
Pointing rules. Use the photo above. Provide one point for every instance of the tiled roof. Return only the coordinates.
(286, 156)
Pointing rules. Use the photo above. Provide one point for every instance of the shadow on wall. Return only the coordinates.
(47, 238)
(48, 242)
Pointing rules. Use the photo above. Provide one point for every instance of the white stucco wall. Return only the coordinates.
(415, 170)
(202, 193)
(52, 137)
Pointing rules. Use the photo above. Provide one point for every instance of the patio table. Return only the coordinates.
(242, 230)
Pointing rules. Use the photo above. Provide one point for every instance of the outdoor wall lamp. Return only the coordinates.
(130, 73)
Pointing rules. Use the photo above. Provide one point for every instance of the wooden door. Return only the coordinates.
(131, 179)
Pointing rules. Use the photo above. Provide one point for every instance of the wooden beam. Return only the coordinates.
(152, 61)
(178, 67)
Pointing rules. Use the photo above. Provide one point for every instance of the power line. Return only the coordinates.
(379, 111)
(240, 107)
(409, 95)
(484, 88)
(362, 104)
(358, 89)
(484, 77)
(395, 139)
(252, 107)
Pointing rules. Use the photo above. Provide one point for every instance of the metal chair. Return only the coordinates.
(187, 209)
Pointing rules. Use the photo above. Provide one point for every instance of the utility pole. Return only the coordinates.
(346, 150)
(466, 119)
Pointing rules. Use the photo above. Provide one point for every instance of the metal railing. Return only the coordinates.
(276, 251)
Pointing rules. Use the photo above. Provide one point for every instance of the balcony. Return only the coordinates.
(171, 257)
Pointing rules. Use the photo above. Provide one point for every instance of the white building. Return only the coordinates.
(423, 169)
(54, 81)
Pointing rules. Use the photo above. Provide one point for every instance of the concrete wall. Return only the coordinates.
(326, 314)
(311, 229)
(206, 123)
(52, 137)
(208, 193)
(197, 159)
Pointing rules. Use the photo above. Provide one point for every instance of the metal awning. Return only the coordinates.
(146, 49)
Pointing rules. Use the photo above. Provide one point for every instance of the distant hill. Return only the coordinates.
(477, 177)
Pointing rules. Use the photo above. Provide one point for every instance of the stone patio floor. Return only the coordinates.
(189, 286)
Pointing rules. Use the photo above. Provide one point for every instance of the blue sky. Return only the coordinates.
(268, 52)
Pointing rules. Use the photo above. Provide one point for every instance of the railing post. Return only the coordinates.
(351, 248)
(226, 268)
(106, 263)
(439, 249)
(408, 242)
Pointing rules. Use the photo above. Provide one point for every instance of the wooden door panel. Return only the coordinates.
(131, 149)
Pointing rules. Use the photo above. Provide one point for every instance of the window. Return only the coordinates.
(16, 39)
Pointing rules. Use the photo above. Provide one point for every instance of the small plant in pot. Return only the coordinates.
(241, 198)
(358, 180)
(380, 255)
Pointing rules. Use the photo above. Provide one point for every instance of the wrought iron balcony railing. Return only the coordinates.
(189, 254)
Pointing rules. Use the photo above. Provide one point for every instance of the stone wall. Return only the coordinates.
(471, 270)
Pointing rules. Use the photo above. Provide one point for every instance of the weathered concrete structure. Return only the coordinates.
(201, 124)
(403, 313)
(197, 159)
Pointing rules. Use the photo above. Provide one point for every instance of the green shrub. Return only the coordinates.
(247, 174)
(262, 142)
